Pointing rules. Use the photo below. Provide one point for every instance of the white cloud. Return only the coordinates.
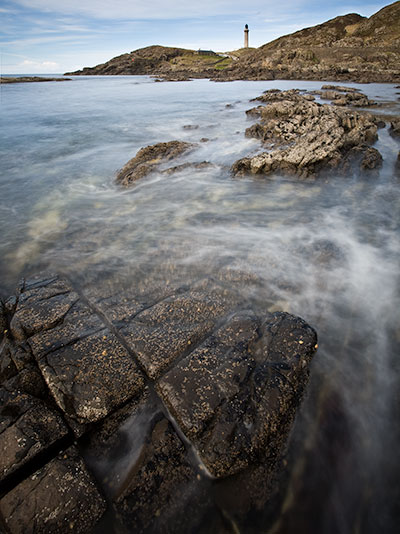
(31, 66)
(46, 40)
(158, 9)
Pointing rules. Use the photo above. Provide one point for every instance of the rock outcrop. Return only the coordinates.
(149, 159)
(173, 398)
(28, 79)
(311, 137)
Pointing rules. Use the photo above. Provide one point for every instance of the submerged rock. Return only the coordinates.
(179, 397)
(311, 137)
(149, 158)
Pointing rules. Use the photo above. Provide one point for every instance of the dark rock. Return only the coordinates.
(395, 127)
(143, 467)
(3, 319)
(312, 137)
(191, 127)
(161, 334)
(28, 427)
(235, 393)
(87, 370)
(397, 166)
(160, 483)
(169, 446)
(7, 365)
(59, 498)
(372, 159)
(149, 158)
(41, 305)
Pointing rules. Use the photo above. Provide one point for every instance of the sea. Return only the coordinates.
(326, 249)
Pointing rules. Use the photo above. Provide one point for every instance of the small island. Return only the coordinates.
(27, 79)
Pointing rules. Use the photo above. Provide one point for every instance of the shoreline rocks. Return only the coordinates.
(166, 401)
(311, 137)
(28, 79)
(149, 159)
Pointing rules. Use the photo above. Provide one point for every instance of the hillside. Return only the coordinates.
(162, 61)
(349, 47)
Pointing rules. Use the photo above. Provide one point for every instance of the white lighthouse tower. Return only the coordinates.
(246, 36)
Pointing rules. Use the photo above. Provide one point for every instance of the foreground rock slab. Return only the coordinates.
(86, 368)
(173, 396)
(234, 394)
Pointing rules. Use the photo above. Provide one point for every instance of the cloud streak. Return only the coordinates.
(158, 9)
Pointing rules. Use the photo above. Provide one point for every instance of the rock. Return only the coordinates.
(149, 158)
(145, 471)
(166, 331)
(397, 166)
(87, 370)
(312, 137)
(191, 127)
(59, 498)
(340, 88)
(159, 483)
(3, 319)
(349, 98)
(372, 159)
(179, 394)
(26, 79)
(29, 427)
(184, 166)
(235, 394)
(395, 127)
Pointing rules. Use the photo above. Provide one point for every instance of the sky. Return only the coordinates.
(56, 36)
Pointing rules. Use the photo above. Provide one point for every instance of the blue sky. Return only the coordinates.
(55, 36)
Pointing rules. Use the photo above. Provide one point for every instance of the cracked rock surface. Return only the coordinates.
(146, 409)
(306, 138)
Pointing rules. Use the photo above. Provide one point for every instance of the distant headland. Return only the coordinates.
(346, 48)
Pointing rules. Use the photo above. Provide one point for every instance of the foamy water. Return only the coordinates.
(326, 250)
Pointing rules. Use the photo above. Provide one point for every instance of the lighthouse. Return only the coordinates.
(246, 36)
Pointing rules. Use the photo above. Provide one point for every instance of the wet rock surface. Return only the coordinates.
(395, 128)
(60, 497)
(154, 404)
(306, 138)
(149, 159)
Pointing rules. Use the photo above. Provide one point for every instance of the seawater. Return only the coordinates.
(327, 250)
